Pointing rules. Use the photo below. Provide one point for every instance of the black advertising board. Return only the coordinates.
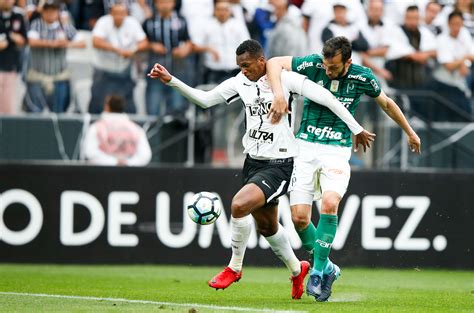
(83, 214)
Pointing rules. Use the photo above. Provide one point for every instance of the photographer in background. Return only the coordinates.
(116, 140)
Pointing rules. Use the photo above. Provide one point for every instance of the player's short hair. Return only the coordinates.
(116, 103)
(252, 47)
(412, 8)
(336, 45)
(454, 14)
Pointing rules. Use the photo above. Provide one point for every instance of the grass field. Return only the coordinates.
(30, 288)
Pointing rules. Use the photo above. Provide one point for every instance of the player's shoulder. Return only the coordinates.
(360, 73)
(239, 79)
(308, 61)
(235, 83)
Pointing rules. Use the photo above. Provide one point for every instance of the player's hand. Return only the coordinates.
(215, 55)
(364, 138)
(386, 74)
(278, 108)
(464, 70)
(17, 38)
(3, 44)
(160, 72)
(62, 43)
(414, 143)
(126, 53)
(179, 52)
(158, 48)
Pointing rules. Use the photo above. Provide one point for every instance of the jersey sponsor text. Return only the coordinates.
(261, 135)
(325, 132)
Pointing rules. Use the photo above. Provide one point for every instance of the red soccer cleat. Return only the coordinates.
(225, 278)
(297, 282)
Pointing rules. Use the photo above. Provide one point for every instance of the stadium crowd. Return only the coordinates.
(411, 45)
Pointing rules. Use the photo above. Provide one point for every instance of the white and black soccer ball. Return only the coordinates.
(204, 208)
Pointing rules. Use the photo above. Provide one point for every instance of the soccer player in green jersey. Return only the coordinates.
(321, 169)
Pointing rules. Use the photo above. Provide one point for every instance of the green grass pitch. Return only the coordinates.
(110, 288)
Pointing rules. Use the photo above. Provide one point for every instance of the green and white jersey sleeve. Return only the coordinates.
(299, 84)
(319, 123)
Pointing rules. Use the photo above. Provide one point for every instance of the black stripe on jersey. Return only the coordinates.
(290, 100)
(261, 118)
(245, 117)
(233, 98)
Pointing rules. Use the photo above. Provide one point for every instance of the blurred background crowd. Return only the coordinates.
(70, 55)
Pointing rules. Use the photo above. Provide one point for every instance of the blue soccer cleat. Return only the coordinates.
(313, 286)
(326, 285)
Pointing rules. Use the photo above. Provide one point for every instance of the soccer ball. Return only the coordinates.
(204, 208)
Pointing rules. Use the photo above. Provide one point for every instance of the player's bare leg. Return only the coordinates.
(267, 225)
(248, 197)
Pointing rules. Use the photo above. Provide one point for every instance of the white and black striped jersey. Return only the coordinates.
(262, 139)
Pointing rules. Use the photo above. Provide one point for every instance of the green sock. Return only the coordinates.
(325, 234)
(308, 236)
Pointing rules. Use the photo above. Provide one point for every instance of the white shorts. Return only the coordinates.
(319, 168)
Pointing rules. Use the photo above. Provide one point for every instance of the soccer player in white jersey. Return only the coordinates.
(270, 149)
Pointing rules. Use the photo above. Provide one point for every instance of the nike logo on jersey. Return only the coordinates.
(247, 85)
(265, 183)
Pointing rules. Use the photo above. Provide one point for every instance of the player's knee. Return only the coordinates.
(300, 221)
(330, 205)
(239, 207)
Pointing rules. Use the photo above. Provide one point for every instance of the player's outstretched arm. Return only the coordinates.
(391, 109)
(204, 99)
(279, 105)
(322, 96)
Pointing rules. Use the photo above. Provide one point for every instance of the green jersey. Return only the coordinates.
(319, 124)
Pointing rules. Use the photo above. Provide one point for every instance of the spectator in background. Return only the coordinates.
(114, 139)
(432, 10)
(116, 38)
(455, 54)
(288, 36)
(341, 26)
(86, 12)
(395, 9)
(466, 7)
(196, 13)
(12, 40)
(141, 10)
(377, 33)
(412, 49)
(317, 14)
(221, 36)
(170, 45)
(47, 80)
(262, 23)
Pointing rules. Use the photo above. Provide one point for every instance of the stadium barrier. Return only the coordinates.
(86, 214)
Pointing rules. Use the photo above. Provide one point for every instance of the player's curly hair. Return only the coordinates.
(251, 46)
(337, 45)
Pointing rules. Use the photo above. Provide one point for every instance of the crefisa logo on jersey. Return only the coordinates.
(304, 65)
(358, 77)
(325, 132)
